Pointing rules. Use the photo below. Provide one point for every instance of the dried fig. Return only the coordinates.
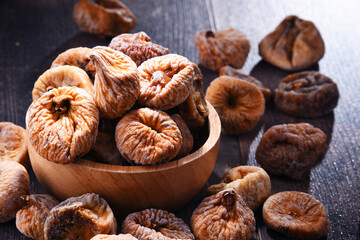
(79, 57)
(232, 72)
(116, 84)
(62, 124)
(296, 214)
(14, 182)
(103, 17)
(148, 136)
(79, 218)
(114, 237)
(306, 94)
(194, 109)
(31, 218)
(239, 104)
(223, 216)
(225, 47)
(290, 149)
(138, 46)
(294, 45)
(165, 81)
(156, 224)
(60, 77)
(252, 183)
(187, 139)
(13, 143)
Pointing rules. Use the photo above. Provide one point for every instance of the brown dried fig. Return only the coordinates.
(14, 183)
(165, 81)
(290, 149)
(80, 218)
(221, 48)
(306, 94)
(223, 216)
(148, 136)
(296, 214)
(114, 237)
(60, 77)
(116, 84)
(13, 143)
(103, 17)
(31, 218)
(187, 138)
(239, 104)
(232, 72)
(294, 45)
(156, 224)
(252, 183)
(62, 124)
(79, 57)
(138, 46)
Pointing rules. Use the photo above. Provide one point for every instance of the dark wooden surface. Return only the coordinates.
(33, 33)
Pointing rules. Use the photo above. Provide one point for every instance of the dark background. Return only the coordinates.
(33, 33)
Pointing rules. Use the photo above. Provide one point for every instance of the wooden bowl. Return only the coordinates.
(130, 188)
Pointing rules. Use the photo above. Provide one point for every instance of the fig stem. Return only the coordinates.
(228, 199)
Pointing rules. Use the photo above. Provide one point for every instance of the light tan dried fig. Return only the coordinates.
(13, 143)
(60, 77)
(114, 237)
(116, 84)
(103, 17)
(62, 124)
(165, 81)
(294, 45)
(14, 183)
(31, 218)
(187, 138)
(138, 46)
(80, 218)
(252, 183)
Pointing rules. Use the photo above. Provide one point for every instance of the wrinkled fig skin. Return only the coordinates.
(63, 124)
(31, 218)
(290, 149)
(80, 218)
(224, 215)
(138, 46)
(297, 215)
(233, 72)
(306, 94)
(156, 224)
(221, 48)
(114, 237)
(187, 138)
(103, 17)
(117, 85)
(294, 45)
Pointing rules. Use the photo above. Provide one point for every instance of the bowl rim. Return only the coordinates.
(214, 136)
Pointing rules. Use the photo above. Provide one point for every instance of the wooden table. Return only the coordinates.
(33, 33)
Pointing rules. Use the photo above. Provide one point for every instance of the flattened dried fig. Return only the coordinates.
(221, 48)
(114, 237)
(62, 76)
(156, 224)
(103, 17)
(62, 124)
(294, 45)
(148, 136)
(252, 183)
(232, 72)
(116, 84)
(79, 57)
(31, 218)
(297, 215)
(14, 183)
(306, 94)
(13, 143)
(194, 109)
(79, 218)
(290, 149)
(165, 81)
(138, 46)
(239, 104)
(223, 216)
(187, 138)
